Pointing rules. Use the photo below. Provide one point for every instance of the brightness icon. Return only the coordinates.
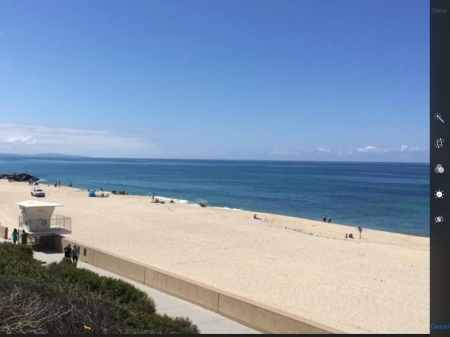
(439, 194)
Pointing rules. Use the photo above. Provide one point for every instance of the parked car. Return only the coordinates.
(37, 192)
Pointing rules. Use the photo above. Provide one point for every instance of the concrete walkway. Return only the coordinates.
(207, 321)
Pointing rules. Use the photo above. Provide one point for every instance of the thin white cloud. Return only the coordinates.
(369, 148)
(277, 152)
(285, 153)
(407, 149)
(418, 149)
(401, 149)
(21, 140)
(143, 143)
(321, 149)
(18, 138)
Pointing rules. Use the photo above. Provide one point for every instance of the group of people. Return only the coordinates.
(119, 192)
(69, 252)
(15, 236)
(325, 219)
(350, 236)
(347, 236)
(33, 183)
(72, 253)
(57, 184)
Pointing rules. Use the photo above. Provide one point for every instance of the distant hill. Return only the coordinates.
(46, 155)
(58, 155)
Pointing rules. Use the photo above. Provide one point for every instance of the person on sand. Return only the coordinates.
(255, 217)
(325, 218)
(350, 236)
(360, 231)
(15, 236)
(346, 236)
(329, 219)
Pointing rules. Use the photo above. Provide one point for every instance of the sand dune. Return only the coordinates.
(379, 284)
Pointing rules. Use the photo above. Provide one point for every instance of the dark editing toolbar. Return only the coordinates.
(440, 166)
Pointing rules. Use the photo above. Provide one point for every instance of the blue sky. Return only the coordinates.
(223, 79)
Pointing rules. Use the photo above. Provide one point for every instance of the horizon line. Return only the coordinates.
(50, 155)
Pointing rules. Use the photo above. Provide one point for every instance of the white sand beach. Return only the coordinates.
(379, 284)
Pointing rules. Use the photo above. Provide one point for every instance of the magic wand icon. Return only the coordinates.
(437, 115)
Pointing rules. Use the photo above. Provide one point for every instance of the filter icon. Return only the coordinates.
(439, 168)
(439, 219)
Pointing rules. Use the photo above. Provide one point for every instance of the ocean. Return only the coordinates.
(391, 197)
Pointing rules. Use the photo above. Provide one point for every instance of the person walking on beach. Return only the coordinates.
(68, 251)
(325, 218)
(75, 254)
(329, 219)
(360, 232)
(15, 236)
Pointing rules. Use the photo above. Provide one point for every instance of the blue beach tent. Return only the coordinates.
(92, 194)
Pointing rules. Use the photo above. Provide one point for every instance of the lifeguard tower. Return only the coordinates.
(39, 222)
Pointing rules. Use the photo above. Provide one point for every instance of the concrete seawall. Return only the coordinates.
(255, 315)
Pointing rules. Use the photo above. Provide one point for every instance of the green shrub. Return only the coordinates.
(65, 271)
(17, 260)
(55, 312)
(25, 249)
(62, 299)
(119, 290)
